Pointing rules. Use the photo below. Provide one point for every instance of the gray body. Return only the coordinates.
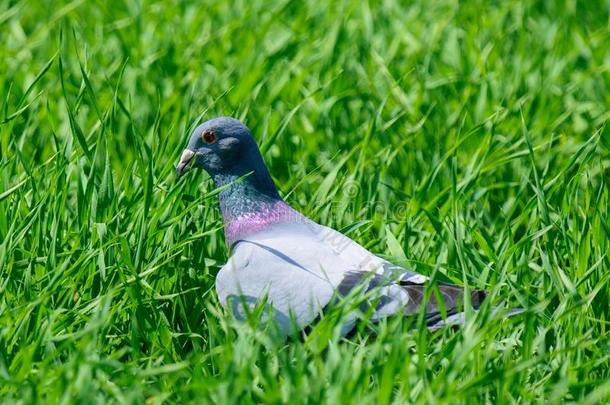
(299, 267)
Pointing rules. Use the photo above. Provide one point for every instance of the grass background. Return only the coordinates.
(464, 140)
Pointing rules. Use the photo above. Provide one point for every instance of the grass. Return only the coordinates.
(468, 141)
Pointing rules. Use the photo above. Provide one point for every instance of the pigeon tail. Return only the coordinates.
(452, 297)
(459, 318)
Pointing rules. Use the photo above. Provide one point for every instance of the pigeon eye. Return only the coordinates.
(208, 136)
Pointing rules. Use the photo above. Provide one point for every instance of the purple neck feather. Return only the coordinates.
(248, 208)
(251, 222)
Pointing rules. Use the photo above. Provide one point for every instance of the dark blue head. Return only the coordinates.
(225, 148)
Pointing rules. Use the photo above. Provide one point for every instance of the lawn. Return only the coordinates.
(466, 140)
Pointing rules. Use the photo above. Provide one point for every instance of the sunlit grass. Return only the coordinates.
(468, 142)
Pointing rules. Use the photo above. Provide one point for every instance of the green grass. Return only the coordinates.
(469, 142)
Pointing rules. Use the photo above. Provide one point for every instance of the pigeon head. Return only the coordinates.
(225, 148)
(218, 145)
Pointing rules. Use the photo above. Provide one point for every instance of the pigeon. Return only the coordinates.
(287, 264)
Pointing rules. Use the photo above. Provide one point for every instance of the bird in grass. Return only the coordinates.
(290, 266)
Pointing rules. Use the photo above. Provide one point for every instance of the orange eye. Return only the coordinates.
(208, 136)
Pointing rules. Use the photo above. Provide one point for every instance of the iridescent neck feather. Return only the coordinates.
(250, 204)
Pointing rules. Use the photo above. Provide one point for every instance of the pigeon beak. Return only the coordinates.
(185, 160)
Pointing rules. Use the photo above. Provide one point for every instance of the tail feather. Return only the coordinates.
(452, 297)
(459, 318)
